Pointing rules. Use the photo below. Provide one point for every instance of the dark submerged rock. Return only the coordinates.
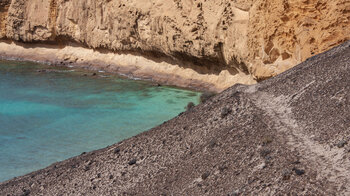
(189, 106)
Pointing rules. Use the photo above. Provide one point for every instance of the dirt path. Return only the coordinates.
(329, 163)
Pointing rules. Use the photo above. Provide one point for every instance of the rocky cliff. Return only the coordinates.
(252, 38)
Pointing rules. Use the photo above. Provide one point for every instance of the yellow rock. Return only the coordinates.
(258, 39)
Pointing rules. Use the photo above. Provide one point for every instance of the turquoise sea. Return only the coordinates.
(49, 114)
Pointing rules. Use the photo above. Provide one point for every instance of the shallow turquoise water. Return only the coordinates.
(51, 116)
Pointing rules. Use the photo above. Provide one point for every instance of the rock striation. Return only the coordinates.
(251, 39)
(288, 135)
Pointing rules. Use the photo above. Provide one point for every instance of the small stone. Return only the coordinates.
(267, 140)
(132, 162)
(116, 150)
(212, 143)
(222, 168)
(262, 165)
(265, 152)
(26, 192)
(286, 175)
(299, 172)
(296, 162)
(342, 143)
(205, 175)
(110, 177)
(225, 112)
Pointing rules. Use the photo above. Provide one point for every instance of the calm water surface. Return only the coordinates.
(50, 116)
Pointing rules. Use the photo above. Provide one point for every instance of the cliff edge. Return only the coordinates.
(223, 42)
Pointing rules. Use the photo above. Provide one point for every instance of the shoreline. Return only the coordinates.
(74, 111)
(162, 70)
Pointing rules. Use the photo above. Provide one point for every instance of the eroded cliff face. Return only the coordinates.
(260, 38)
(283, 33)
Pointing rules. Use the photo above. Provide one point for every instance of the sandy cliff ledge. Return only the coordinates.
(252, 39)
(159, 69)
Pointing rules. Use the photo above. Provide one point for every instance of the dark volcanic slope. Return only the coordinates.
(289, 134)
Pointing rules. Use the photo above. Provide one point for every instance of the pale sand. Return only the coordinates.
(162, 70)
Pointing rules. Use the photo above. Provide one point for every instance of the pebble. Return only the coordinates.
(298, 172)
(205, 175)
(26, 192)
(132, 162)
(342, 143)
(225, 111)
(116, 150)
(212, 143)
